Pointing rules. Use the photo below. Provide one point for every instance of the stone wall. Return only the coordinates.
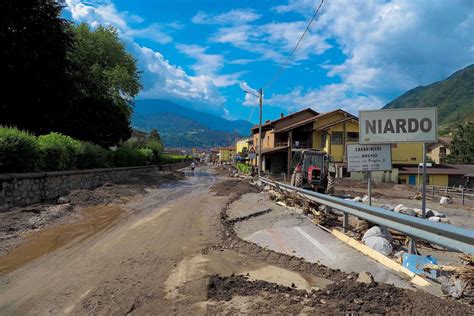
(22, 189)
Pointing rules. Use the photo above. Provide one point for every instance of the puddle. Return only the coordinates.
(285, 277)
(45, 241)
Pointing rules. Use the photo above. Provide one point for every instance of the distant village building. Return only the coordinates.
(438, 151)
(138, 135)
(227, 154)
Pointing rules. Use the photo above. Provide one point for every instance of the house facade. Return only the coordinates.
(329, 132)
(438, 151)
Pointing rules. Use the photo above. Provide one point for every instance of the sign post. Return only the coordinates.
(417, 125)
(369, 158)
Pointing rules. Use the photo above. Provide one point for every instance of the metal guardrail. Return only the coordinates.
(445, 235)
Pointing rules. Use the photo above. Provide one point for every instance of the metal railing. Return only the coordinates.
(444, 235)
(457, 194)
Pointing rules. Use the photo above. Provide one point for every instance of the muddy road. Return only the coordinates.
(175, 251)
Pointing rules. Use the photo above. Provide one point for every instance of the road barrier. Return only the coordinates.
(444, 235)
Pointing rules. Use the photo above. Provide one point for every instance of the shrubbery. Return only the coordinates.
(19, 151)
(23, 152)
(59, 152)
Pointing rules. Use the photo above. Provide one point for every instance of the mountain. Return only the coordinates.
(209, 120)
(454, 97)
(183, 127)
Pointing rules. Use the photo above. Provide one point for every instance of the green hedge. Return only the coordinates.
(23, 152)
(19, 151)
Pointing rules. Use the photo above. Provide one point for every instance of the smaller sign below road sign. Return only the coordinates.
(369, 157)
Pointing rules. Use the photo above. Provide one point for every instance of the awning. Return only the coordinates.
(274, 150)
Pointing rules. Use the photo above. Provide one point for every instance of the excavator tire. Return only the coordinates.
(331, 185)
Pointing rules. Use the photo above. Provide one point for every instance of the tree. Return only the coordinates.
(462, 146)
(154, 135)
(107, 81)
(34, 42)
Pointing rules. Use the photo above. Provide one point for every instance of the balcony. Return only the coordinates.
(296, 144)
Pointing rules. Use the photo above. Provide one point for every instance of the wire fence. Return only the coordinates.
(457, 194)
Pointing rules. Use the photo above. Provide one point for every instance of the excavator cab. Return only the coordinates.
(310, 170)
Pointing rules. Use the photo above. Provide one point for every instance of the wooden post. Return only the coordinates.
(462, 195)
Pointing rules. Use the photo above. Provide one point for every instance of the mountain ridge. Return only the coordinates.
(453, 96)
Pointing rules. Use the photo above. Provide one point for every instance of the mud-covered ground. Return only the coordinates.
(177, 253)
(16, 223)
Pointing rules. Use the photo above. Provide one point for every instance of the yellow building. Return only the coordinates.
(438, 151)
(226, 154)
(242, 145)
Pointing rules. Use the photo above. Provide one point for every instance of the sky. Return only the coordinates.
(357, 54)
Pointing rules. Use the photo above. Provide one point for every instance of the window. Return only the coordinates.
(323, 140)
(353, 136)
(336, 138)
(268, 140)
(442, 150)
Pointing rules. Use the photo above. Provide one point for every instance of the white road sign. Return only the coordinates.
(369, 157)
(398, 126)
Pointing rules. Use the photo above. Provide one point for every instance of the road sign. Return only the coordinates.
(398, 126)
(369, 157)
(252, 155)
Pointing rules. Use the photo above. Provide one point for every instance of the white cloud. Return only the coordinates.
(273, 41)
(236, 16)
(392, 46)
(251, 98)
(209, 65)
(325, 99)
(160, 79)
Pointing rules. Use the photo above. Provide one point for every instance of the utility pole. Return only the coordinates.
(260, 101)
(259, 95)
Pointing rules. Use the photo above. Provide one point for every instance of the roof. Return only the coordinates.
(269, 124)
(440, 169)
(320, 115)
(446, 141)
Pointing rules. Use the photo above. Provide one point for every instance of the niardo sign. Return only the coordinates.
(397, 126)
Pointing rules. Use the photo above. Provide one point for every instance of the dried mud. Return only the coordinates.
(345, 295)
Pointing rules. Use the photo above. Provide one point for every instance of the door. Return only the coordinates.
(412, 180)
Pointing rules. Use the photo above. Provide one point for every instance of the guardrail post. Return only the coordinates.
(462, 195)
(345, 222)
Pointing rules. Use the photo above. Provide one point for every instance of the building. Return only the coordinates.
(329, 132)
(242, 146)
(438, 151)
(227, 154)
(138, 135)
(439, 175)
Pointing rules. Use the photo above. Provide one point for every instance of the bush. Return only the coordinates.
(19, 151)
(93, 156)
(156, 147)
(126, 156)
(59, 152)
(169, 159)
(147, 156)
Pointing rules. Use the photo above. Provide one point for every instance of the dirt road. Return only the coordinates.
(174, 252)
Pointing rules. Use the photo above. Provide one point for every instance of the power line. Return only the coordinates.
(283, 67)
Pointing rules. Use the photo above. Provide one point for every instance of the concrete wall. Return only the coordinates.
(22, 189)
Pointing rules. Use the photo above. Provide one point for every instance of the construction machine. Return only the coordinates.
(313, 169)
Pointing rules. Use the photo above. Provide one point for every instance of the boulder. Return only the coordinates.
(405, 210)
(357, 199)
(445, 200)
(365, 277)
(398, 207)
(64, 200)
(434, 219)
(379, 244)
(388, 207)
(267, 188)
(431, 213)
(377, 231)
